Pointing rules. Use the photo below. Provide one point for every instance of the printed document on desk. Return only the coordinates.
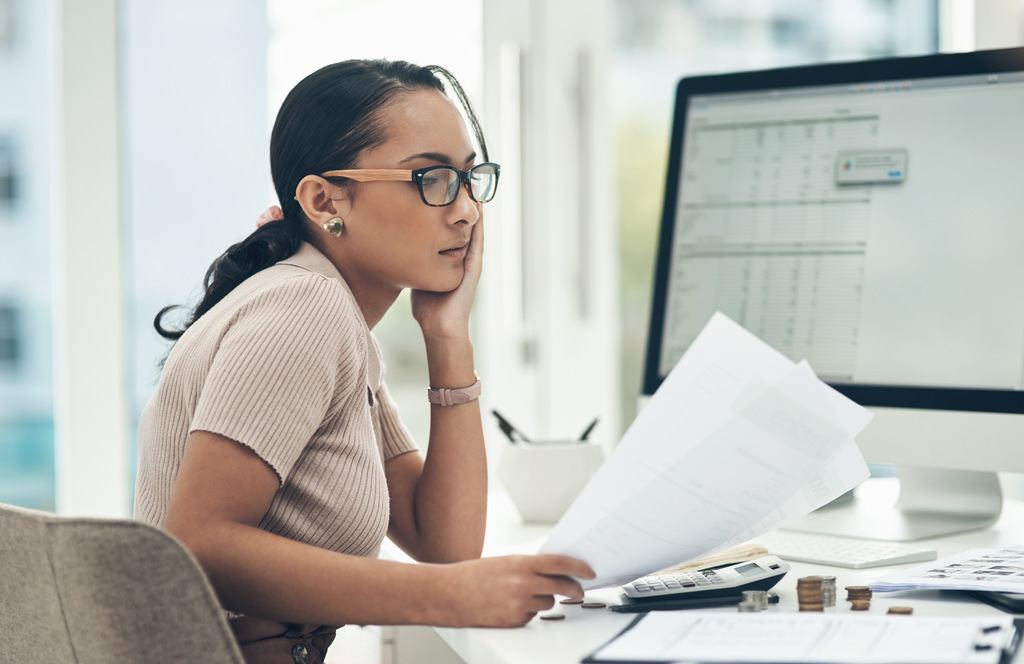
(736, 441)
(987, 570)
(822, 638)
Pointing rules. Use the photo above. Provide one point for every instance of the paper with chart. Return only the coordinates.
(737, 440)
(821, 638)
(990, 570)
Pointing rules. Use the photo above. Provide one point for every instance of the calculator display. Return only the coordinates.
(750, 569)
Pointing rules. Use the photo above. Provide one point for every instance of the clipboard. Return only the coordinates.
(1007, 657)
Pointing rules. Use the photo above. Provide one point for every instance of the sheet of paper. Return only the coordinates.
(822, 638)
(995, 570)
(735, 441)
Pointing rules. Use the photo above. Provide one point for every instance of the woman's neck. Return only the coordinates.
(373, 298)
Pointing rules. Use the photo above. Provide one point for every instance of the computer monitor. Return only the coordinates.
(868, 217)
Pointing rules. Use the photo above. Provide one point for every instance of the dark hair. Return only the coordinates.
(327, 120)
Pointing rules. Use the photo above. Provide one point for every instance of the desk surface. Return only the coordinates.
(584, 630)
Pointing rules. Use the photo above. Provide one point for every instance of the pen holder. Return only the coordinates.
(544, 477)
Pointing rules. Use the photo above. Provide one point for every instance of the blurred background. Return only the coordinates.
(133, 151)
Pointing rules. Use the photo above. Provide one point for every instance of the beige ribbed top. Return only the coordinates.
(285, 365)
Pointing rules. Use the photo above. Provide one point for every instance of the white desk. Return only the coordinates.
(584, 630)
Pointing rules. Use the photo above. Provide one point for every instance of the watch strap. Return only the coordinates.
(453, 396)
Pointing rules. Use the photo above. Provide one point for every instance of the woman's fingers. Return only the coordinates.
(558, 565)
(561, 585)
(475, 254)
(272, 213)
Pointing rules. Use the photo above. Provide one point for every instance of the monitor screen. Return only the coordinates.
(874, 227)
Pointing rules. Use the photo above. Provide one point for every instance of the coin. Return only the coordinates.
(570, 600)
(901, 610)
(828, 590)
(748, 607)
(594, 605)
(552, 616)
(757, 597)
(860, 605)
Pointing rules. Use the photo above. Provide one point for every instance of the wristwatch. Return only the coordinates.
(452, 396)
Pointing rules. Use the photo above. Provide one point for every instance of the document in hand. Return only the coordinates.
(736, 441)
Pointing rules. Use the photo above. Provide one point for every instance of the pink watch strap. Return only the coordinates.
(452, 396)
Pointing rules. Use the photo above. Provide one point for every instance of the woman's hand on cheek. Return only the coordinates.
(446, 315)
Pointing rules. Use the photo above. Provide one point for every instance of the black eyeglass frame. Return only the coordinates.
(417, 175)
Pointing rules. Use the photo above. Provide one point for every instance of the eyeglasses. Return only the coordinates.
(438, 185)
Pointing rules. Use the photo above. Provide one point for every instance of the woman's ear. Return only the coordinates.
(321, 200)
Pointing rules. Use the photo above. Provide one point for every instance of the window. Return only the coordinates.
(8, 177)
(10, 344)
(26, 363)
(6, 25)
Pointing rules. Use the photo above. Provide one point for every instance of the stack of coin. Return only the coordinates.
(828, 590)
(808, 593)
(758, 598)
(859, 597)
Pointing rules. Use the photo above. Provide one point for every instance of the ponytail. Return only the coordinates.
(266, 245)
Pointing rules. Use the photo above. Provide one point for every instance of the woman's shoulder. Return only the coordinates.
(286, 290)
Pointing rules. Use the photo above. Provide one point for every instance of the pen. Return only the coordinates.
(586, 432)
(507, 428)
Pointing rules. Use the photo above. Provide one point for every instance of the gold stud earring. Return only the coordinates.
(335, 226)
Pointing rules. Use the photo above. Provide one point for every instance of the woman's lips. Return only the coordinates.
(457, 252)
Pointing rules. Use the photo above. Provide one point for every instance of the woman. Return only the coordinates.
(272, 448)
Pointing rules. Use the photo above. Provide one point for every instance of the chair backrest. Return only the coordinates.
(101, 590)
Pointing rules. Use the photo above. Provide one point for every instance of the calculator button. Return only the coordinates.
(642, 589)
(672, 584)
(701, 581)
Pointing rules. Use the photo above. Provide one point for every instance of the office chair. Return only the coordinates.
(104, 591)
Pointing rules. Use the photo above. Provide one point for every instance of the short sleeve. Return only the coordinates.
(396, 439)
(289, 353)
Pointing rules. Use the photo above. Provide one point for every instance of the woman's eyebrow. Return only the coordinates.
(437, 156)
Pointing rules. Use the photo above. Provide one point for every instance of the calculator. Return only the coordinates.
(759, 574)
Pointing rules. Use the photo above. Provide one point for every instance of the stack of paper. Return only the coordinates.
(736, 441)
(993, 570)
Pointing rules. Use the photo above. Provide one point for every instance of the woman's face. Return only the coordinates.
(391, 236)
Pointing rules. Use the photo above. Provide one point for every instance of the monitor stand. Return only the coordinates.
(931, 503)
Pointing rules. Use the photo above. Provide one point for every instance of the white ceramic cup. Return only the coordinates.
(544, 477)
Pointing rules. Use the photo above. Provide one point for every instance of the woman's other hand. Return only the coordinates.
(272, 213)
(446, 315)
(507, 591)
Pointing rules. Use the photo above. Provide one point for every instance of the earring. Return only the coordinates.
(335, 226)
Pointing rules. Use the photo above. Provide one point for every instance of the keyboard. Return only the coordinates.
(844, 551)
